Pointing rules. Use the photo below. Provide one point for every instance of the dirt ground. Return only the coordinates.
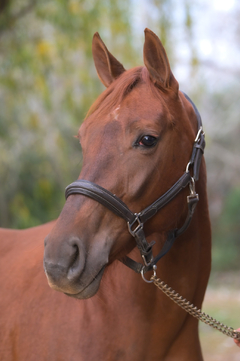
(222, 302)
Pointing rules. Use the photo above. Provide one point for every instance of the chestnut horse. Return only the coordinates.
(138, 141)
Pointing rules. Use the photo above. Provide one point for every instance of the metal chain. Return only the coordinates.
(193, 310)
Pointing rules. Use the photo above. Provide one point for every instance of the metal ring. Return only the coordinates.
(154, 274)
(188, 166)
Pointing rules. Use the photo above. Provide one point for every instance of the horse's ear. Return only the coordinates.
(156, 61)
(108, 67)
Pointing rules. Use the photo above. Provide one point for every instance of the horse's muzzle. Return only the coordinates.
(64, 263)
(68, 270)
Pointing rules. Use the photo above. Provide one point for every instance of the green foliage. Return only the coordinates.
(226, 241)
(47, 84)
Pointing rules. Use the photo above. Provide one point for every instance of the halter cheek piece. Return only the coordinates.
(135, 221)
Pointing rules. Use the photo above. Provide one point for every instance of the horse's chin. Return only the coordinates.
(91, 289)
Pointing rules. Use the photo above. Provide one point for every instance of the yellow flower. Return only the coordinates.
(44, 48)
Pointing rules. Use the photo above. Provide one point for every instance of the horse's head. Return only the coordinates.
(137, 140)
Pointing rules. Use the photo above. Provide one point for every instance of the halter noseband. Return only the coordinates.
(135, 221)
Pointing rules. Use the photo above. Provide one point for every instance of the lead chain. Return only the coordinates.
(193, 310)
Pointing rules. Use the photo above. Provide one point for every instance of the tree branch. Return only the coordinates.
(11, 19)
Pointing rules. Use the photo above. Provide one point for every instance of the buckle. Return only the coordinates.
(139, 225)
(147, 264)
(193, 194)
(200, 132)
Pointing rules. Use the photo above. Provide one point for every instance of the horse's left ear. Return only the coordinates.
(107, 66)
(156, 61)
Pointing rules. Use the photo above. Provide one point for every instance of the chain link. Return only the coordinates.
(194, 311)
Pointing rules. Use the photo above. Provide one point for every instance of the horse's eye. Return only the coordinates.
(148, 141)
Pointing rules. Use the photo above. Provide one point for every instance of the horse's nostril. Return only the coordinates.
(75, 256)
(76, 263)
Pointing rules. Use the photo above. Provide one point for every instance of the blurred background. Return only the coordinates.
(48, 81)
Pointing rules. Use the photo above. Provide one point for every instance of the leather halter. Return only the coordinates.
(135, 221)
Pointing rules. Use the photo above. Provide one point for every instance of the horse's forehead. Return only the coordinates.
(140, 104)
(143, 103)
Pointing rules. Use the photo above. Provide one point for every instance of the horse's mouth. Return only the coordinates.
(91, 289)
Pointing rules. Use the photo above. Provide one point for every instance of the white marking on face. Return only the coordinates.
(115, 113)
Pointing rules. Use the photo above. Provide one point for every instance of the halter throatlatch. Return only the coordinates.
(135, 221)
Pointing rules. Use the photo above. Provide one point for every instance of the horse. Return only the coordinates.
(132, 212)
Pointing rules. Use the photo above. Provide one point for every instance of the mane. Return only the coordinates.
(122, 86)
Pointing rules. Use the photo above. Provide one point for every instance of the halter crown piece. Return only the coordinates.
(135, 221)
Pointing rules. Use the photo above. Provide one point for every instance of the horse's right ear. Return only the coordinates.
(156, 61)
(108, 67)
